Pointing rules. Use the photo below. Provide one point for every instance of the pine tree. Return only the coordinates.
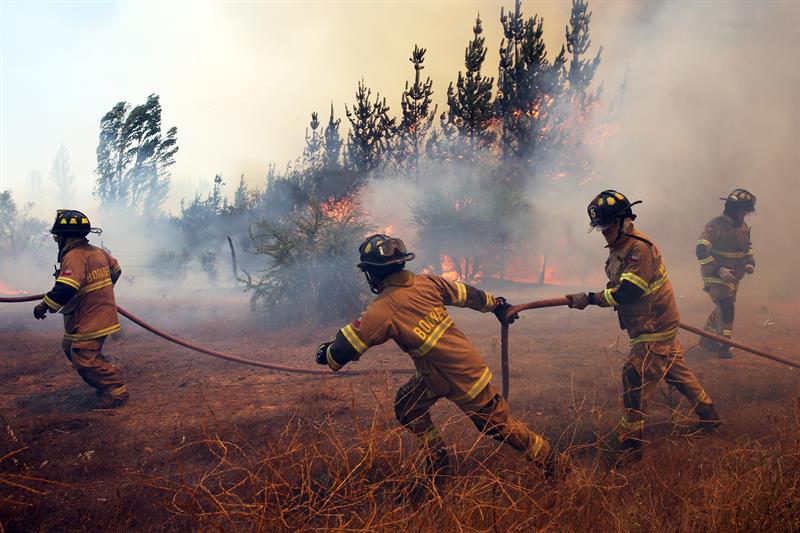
(242, 196)
(417, 118)
(333, 143)
(133, 157)
(371, 131)
(313, 152)
(581, 71)
(470, 106)
(528, 83)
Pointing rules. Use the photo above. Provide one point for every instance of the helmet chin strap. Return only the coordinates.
(373, 282)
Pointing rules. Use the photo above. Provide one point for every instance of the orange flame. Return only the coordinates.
(338, 210)
(5, 289)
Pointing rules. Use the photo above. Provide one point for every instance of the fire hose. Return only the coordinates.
(556, 302)
(221, 355)
(539, 304)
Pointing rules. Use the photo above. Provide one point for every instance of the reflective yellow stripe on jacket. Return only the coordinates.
(719, 281)
(489, 303)
(96, 286)
(461, 300)
(655, 337)
(354, 340)
(68, 281)
(648, 288)
(92, 334)
(55, 306)
(476, 388)
(433, 338)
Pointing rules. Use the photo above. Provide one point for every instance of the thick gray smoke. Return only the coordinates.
(713, 103)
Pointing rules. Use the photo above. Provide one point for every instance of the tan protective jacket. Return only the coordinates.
(411, 310)
(653, 317)
(728, 244)
(92, 312)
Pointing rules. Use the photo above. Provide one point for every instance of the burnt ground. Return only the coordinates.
(71, 468)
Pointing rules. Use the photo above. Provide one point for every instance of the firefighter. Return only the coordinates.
(725, 256)
(411, 310)
(84, 294)
(641, 293)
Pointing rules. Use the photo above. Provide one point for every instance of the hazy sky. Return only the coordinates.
(238, 79)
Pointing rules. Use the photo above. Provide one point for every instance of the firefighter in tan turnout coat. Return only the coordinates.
(84, 294)
(641, 293)
(412, 310)
(725, 255)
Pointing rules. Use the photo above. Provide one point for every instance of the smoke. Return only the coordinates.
(713, 103)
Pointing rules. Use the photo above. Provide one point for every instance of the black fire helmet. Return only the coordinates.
(607, 207)
(381, 250)
(72, 223)
(741, 199)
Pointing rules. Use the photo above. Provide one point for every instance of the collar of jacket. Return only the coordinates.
(404, 278)
(72, 245)
(731, 221)
(627, 231)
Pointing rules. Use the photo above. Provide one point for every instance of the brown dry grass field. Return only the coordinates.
(210, 445)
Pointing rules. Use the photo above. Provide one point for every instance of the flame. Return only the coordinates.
(449, 268)
(6, 290)
(338, 210)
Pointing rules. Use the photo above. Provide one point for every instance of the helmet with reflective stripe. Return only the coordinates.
(72, 223)
(381, 250)
(608, 206)
(741, 199)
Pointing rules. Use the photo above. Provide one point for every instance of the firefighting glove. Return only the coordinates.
(578, 301)
(727, 275)
(322, 353)
(501, 308)
(40, 311)
(749, 269)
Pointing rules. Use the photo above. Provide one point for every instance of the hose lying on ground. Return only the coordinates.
(221, 355)
(556, 302)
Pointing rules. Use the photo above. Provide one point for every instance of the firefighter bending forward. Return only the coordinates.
(84, 294)
(411, 310)
(642, 295)
(725, 256)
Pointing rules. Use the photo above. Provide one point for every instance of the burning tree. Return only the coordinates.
(470, 111)
(310, 276)
(527, 85)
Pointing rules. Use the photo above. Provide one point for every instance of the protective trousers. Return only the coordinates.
(649, 363)
(88, 360)
(720, 321)
(488, 411)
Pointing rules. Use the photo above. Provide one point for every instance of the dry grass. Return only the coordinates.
(319, 474)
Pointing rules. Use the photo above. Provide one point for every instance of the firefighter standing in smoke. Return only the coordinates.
(410, 309)
(641, 293)
(725, 256)
(84, 294)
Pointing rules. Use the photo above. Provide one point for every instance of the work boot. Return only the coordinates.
(437, 465)
(621, 447)
(724, 352)
(113, 398)
(709, 419)
(708, 344)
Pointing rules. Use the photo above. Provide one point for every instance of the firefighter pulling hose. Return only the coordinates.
(563, 301)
